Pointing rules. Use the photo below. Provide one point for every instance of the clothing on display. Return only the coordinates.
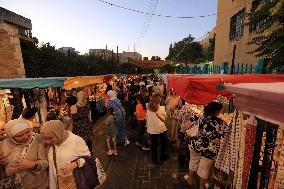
(279, 165)
(271, 134)
(249, 147)
(41, 104)
(230, 156)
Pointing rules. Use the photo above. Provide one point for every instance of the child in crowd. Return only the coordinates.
(111, 132)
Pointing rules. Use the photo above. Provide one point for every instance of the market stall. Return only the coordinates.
(82, 81)
(251, 153)
(263, 164)
(201, 89)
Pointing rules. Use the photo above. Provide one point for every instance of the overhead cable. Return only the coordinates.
(161, 15)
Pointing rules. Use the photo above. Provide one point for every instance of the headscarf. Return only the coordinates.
(81, 95)
(15, 126)
(112, 95)
(57, 128)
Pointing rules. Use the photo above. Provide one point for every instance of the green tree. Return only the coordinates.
(185, 49)
(267, 22)
(145, 58)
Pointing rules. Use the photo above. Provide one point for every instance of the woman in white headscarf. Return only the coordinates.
(23, 158)
(64, 153)
(81, 116)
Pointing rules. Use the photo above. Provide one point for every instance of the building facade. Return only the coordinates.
(103, 53)
(14, 29)
(68, 50)
(233, 36)
(205, 42)
(122, 58)
(125, 57)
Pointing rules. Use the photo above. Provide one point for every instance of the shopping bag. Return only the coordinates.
(90, 175)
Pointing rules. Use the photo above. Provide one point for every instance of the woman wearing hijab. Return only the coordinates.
(23, 158)
(115, 104)
(81, 116)
(65, 148)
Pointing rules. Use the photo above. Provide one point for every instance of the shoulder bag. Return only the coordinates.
(193, 130)
(67, 182)
(90, 175)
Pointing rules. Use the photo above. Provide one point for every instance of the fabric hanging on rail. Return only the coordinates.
(249, 147)
(230, 157)
(240, 152)
(271, 135)
(227, 153)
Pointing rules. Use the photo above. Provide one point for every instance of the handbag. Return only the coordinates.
(66, 182)
(90, 175)
(193, 130)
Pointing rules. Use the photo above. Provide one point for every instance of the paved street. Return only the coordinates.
(133, 169)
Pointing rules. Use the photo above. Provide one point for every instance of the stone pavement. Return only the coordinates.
(132, 168)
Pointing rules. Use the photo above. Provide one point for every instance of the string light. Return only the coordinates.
(165, 16)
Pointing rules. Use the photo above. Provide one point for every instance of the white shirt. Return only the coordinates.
(73, 148)
(154, 124)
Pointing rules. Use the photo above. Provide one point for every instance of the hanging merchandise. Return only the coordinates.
(249, 147)
(41, 104)
(6, 108)
(279, 161)
(17, 102)
(229, 161)
(271, 134)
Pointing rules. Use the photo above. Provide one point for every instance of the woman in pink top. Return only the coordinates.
(140, 114)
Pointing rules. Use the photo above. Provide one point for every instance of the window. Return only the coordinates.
(237, 25)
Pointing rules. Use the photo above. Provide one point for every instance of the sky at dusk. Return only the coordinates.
(91, 24)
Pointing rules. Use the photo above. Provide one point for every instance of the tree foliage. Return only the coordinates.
(44, 60)
(185, 49)
(267, 22)
(209, 53)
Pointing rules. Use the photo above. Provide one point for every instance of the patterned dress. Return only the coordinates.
(82, 125)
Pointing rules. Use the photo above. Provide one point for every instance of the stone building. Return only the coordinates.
(125, 57)
(68, 50)
(103, 53)
(205, 42)
(232, 35)
(13, 29)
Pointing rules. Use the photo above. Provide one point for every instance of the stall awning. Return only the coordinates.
(263, 99)
(29, 83)
(201, 89)
(82, 81)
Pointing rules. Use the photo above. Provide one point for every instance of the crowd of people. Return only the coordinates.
(144, 104)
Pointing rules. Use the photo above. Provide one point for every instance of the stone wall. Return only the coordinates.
(11, 61)
(15, 19)
(223, 46)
